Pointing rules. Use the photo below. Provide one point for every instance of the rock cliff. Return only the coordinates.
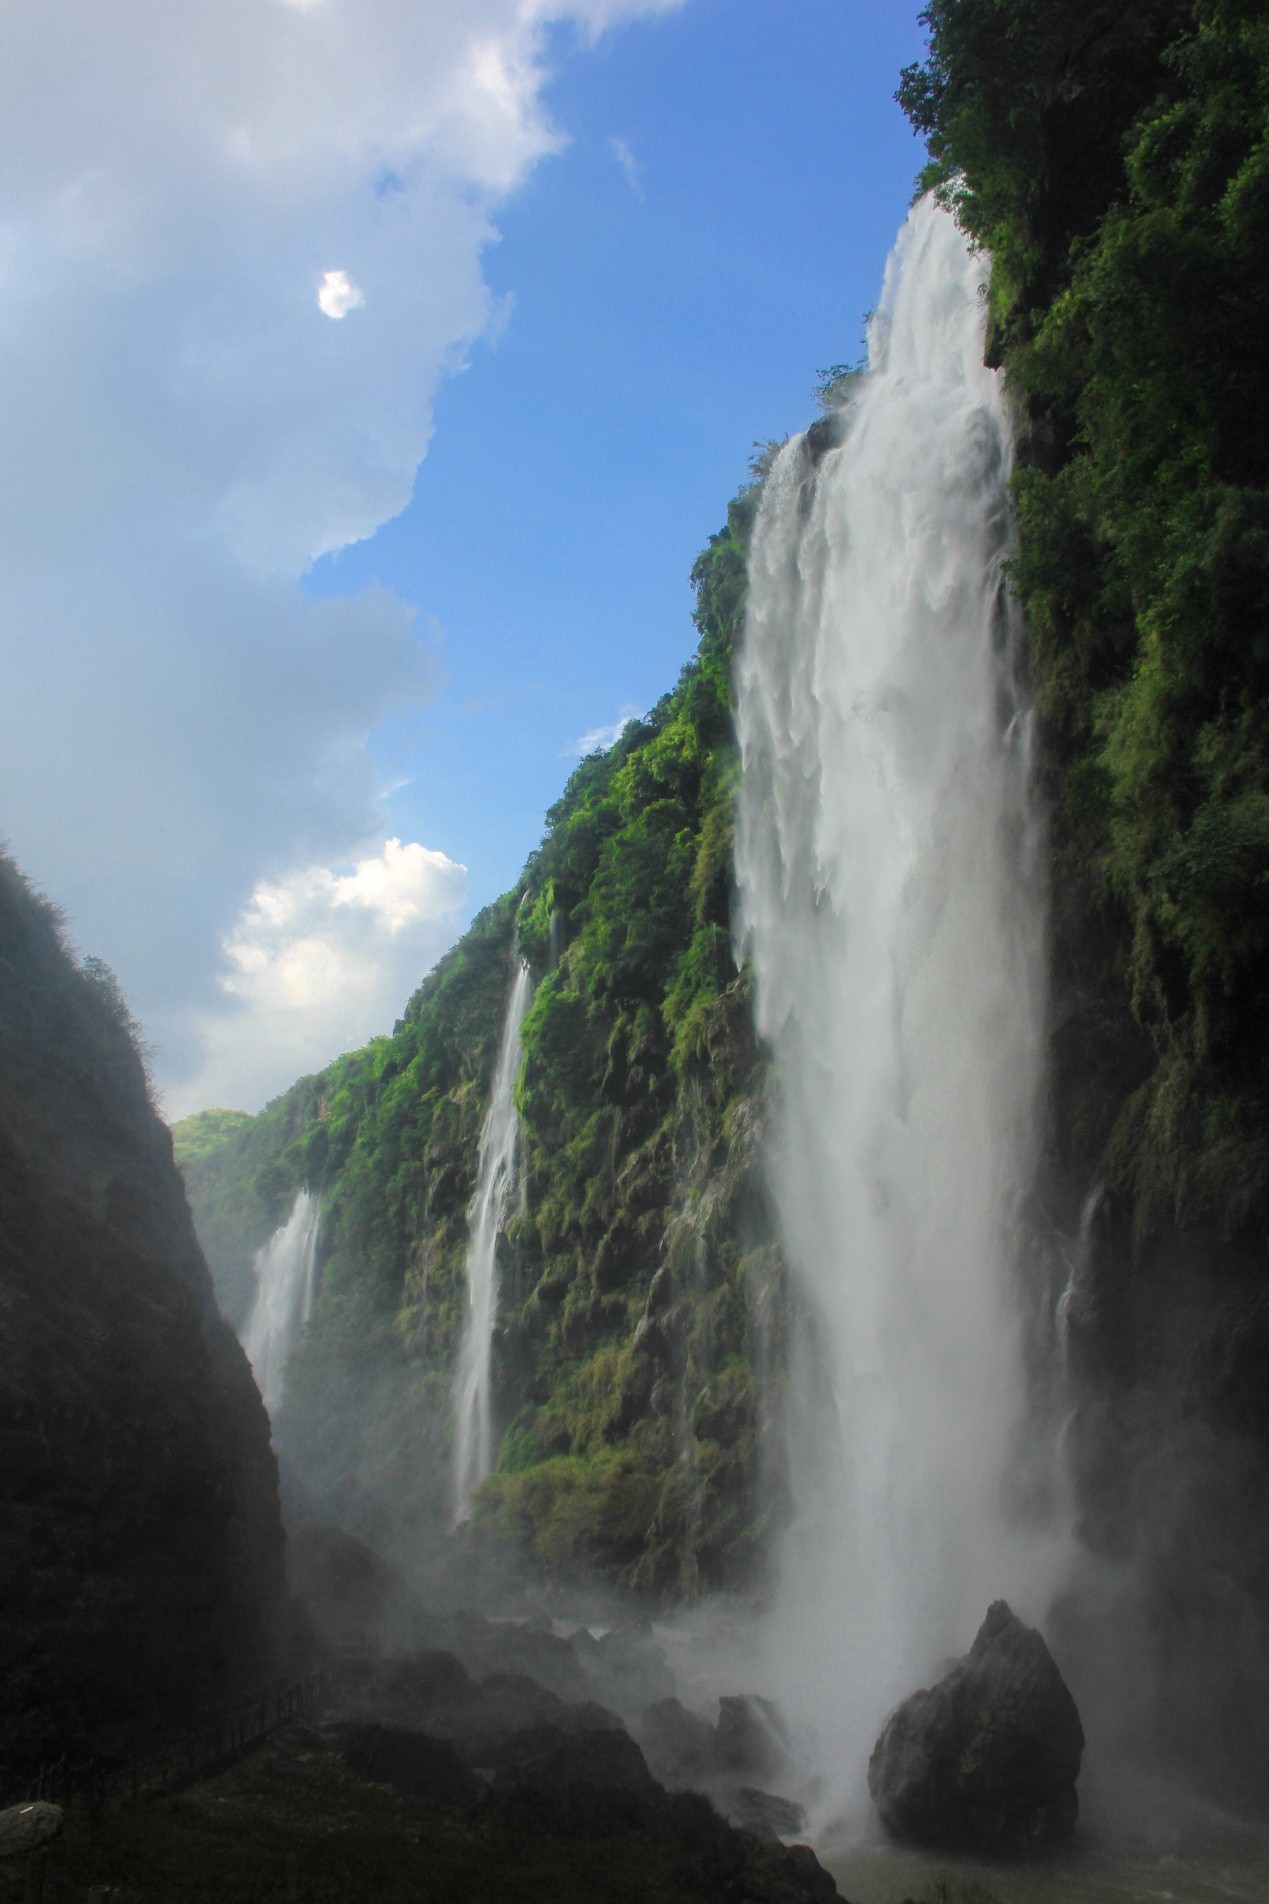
(1115, 162)
(141, 1537)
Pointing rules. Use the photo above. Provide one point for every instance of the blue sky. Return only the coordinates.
(655, 329)
(379, 367)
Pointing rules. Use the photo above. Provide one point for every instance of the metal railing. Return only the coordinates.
(178, 1759)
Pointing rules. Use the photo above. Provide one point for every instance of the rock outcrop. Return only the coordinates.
(749, 1742)
(422, 1723)
(986, 1760)
(140, 1534)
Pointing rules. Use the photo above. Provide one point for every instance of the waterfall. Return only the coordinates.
(495, 1173)
(284, 1296)
(890, 897)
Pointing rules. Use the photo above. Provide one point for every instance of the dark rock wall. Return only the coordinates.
(1164, 1629)
(140, 1535)
(1114, 160)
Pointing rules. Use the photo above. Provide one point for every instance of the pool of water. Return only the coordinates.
(1141, 1842)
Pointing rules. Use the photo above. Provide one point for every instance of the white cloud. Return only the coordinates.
(620, 149)
(184, 435)
(337, 295)
(317, 963)
(599, 739)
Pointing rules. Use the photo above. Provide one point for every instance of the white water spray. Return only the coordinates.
(284, 1296)
(887, 862)
(495, 1174)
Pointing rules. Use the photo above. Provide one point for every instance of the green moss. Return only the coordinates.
(199, 1136)
(637, 1057)
(1116, 161)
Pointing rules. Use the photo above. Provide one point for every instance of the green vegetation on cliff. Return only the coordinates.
(638, 1339)
(1115, 159)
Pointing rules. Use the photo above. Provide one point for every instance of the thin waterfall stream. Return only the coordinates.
(495, 1176)
(285, 1271)
(891, 898)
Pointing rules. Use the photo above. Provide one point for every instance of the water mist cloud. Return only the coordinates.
(198, 403)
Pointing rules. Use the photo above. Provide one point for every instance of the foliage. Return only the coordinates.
(1116, 162)
(637, 1339)
(201, 1135)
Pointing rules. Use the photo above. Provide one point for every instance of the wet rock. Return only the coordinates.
(430, 1691)
(349, 1592)
(825, 434)
(751, 1738)
(678, 1746)
(27, 1828)
(509, 1646)
(626, 1667)
(551, 1759)
(766, 1815)
(423, 1768)
(433, 1692)
(512, 1702)
(503, 1726)
(987, 1759)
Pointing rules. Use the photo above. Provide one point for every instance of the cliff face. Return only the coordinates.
(639, 1345)
(1116, 162)
(142, 1543)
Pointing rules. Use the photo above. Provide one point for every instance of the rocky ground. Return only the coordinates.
(355, 1810)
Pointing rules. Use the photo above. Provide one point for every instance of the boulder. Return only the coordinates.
(422, 1768)
(551, 1759)
(828, 432)
(349, 1592)
(765, 1814)
(512, 1702)
(508, 1646)
(987, 1759)
(750, 1737)
(626, 1666)
(678, 1746)
(429, 1692)
(27, 1828)
(432, 1692)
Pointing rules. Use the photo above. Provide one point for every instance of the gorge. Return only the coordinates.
(827, 1196)
(968, 1220)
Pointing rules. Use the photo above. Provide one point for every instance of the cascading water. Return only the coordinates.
(284, 1296)
(887, 861)
(495, 1174)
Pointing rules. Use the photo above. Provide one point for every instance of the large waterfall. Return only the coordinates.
(495, 1174)
(284, 1296)
(888, 860)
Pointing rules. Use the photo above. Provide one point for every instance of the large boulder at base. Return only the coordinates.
(678, 1746)
(552, 1759)
(750, 1737)
(987, 1759)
